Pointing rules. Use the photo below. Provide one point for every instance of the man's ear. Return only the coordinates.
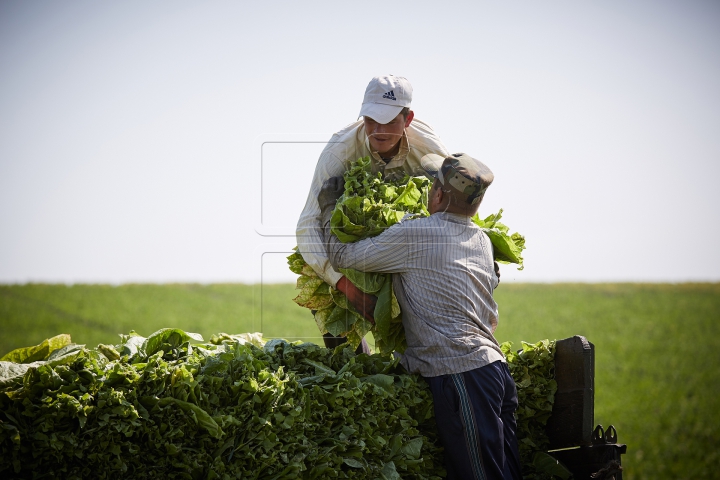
(438, 193)
(409, 118)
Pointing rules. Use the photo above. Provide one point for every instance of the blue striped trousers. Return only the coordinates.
(475, 417)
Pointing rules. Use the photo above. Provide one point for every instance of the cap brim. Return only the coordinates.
(431, 164)
(379, 112)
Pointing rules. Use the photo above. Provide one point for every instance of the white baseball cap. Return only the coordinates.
(385, 97)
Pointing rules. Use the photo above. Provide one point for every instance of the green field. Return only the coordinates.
(657, 345)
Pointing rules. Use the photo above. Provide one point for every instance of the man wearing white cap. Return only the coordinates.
(395, 140)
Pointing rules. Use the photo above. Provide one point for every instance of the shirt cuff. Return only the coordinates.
(332, 277)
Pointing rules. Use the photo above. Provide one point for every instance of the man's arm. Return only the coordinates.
(309, 238)
(386, 253)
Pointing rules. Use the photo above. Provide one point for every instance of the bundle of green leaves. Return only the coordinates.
(368, 206)
(163, 407)
(507, 248)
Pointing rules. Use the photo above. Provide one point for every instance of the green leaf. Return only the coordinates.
(318, 301)
(409, 197)
(413, 448)
(319, 367)
(383, 381)
(10, 370)
(353, 462)
(202, 418)
(130, 344)
(389, 472)
(367, 282)
(340, 321)
(309, 287)
(321, 317)
(241, 339)
(37, 352)
(383, 310)
(173, 337)
(506, 248)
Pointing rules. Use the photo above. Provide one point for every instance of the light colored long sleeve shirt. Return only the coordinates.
(443, 277)
(345, 147)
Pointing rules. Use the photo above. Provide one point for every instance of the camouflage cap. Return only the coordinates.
(466, 177)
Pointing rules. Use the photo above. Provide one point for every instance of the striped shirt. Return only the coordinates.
(443, 278)
(345, 147)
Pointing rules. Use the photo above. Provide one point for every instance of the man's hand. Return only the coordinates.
(497, 271)
(364, 303)
(331, 190)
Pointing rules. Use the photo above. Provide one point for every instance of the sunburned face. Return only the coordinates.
(385, 138)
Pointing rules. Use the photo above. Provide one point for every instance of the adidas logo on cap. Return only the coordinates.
(390, 95)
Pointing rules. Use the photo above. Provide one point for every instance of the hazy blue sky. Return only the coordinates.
(132, 133)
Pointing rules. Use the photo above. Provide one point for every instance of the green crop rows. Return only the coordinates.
(657, 367)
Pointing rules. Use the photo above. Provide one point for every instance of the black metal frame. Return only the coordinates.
(588, 453)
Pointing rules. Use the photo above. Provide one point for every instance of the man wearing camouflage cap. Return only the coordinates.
(444, 279)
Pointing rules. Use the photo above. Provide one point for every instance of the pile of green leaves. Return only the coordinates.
(163, 407)
(368, 206)
(533, 369)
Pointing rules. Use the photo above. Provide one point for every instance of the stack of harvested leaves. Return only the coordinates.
(161, 407)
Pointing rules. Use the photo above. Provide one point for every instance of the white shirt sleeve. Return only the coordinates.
(309, 239)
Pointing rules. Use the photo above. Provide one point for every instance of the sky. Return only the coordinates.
(133, 134)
